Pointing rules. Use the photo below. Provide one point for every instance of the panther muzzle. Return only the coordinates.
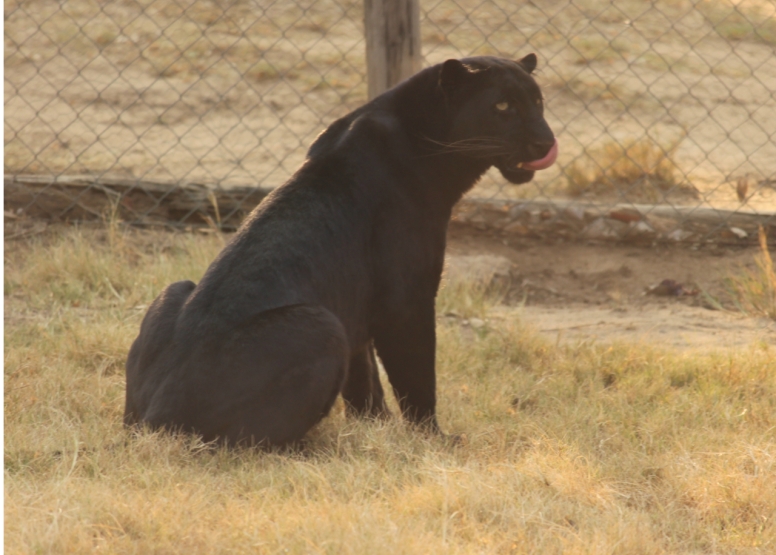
(542, 163)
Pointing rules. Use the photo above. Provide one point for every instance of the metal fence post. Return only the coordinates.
(392, 29)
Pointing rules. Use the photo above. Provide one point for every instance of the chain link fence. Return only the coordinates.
(182, 112)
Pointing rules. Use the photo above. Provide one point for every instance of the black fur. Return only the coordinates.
(344, 258)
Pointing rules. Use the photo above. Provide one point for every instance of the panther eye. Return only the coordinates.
(501, 106)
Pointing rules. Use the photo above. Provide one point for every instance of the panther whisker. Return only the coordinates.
(477, 147)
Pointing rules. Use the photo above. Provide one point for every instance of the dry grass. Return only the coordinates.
(575, 449)
(635, 170)
(754, 290)
(590, 49)
(737, 20)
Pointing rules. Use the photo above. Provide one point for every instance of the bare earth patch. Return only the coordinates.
(601, 292)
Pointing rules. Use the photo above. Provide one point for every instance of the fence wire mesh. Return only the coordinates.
(185, 112)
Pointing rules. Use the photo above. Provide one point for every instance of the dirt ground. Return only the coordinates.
(599, 292)
(192, 91)
(583, 290)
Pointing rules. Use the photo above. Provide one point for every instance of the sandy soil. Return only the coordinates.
(593, 292)
(192, 91)
(673, 325)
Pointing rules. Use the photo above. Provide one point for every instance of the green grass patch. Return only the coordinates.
(753, 21)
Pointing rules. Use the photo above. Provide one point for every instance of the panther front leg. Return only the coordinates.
(407, 347)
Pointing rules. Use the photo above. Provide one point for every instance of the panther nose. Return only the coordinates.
(539, 149)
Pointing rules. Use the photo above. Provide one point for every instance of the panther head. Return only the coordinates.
(498, 114)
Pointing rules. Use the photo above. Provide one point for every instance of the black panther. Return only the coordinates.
(342, 261)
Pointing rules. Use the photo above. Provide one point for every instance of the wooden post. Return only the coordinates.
(392, 29)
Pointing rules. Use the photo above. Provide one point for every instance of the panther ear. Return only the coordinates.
(528, 63)
(453, 74)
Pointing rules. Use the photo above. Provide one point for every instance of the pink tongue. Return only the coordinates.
(543, 163)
